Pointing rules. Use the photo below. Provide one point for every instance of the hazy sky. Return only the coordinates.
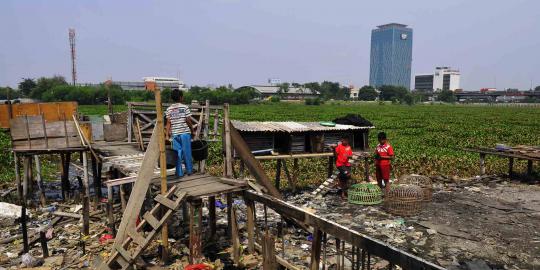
(248, 41)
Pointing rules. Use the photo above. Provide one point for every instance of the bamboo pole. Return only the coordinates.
(162, 168)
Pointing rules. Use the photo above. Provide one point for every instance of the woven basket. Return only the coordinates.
(365, 194)
(404, 200)
(418, 180)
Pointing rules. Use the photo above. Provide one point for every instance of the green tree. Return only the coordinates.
(314, 87)
(367, 93)
(537, 88)
(43, 84)
(26, 86)
(391, 92)
(283, 88)
(5, 91)
(446, 96)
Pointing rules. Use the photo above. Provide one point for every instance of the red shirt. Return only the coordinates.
(384, 150)
(343, 153)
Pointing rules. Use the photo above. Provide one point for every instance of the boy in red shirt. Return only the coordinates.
(343, 153)
(384, 153)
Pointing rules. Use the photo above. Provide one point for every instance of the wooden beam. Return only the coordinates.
(86, 196)
(316, 249)
(250, 225)
(212, 216)
(42, 198)
(251, 163)
(269, 252)
(235, 238)
(138, 193)
(160, 129)
(228, 147)
(371, 245)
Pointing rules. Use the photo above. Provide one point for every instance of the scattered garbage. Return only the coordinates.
(9, 213)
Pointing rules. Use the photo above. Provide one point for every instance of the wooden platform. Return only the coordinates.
(201, 185)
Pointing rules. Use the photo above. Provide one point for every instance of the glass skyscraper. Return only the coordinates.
(391, 55)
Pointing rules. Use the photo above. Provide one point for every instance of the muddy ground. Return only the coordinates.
(489, 221)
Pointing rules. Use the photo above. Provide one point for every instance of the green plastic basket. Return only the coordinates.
(365, 194)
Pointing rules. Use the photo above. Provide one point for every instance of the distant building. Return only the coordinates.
(148, 83)
(293, 93)
(391, 55)
(354, 93)
(444, 78)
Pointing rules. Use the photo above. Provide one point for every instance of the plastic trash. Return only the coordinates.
(49, 209)
(30, 261)
(106, 237)
(200, 266)
(310, 237)
(220, 205)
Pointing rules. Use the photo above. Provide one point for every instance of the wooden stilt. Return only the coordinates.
(27, 164)
(18, 175)
(235, 238)
(43, 242)
(482, 164)
(212, 217)
(110, 213)
(96, 174)
(278, 174)
(366, 169)
(242, 170)
(529, 167)
(295, 172)
(338, 254)
(22, 198)
(229, 213)
(330, 167)
(123, 201)
(66, 187)
(195, 220)
(510, 167)
(250, 225)
(269, 252)
(316, 249)
(160, 129)
(86, 196)
(228, 142)
(42, 198)
(292, 184)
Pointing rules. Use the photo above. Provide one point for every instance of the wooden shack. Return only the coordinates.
(299, 137)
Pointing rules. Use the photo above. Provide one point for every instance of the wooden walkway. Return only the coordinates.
(202, 185)
(529, 153)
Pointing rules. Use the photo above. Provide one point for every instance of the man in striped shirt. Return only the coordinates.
(179, 128)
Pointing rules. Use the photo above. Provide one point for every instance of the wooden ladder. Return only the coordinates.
(136, 242)
(323, 188)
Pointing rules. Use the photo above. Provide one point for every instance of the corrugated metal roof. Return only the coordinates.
(290, 126)
(274, 89)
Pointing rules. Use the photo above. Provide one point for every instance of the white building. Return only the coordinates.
(444, 78)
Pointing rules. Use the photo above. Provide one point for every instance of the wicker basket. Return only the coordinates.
(418, 180)
(365, 194)
(404, 200)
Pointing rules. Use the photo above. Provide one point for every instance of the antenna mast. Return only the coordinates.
(72, 46)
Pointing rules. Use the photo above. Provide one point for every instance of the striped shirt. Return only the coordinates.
(177, 114)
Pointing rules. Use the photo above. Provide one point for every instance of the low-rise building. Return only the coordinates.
(291, 93)
(148, 83)
(444, 78)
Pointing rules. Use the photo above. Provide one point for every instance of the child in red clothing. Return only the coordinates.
(384, 153)
(343, 153)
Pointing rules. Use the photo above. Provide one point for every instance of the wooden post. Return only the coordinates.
(110, 213)
(316, 249)
(17, 175)
(27, 170)
(250, 225)
(66, 187)
(229, 213)
(42, 198)
(253, 165)
(228, 144)
(22, 201)
(339, 255)
(123, 201)
(278, 173)
(86, 196)
(212, 216)
(482, 164)
(292, 184)
(129, 121)
(529, 167)
(510, 167)
(195, 222)
(96, 174)
(160, 129)
(366, 169)
(269, 252)
(43, 242)
(235, 238)
(296, 171)
(330, 167)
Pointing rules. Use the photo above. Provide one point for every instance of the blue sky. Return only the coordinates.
(493, 43)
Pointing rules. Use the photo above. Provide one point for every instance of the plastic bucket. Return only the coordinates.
(199, 150)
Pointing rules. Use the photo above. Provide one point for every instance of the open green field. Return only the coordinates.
(427, 138)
